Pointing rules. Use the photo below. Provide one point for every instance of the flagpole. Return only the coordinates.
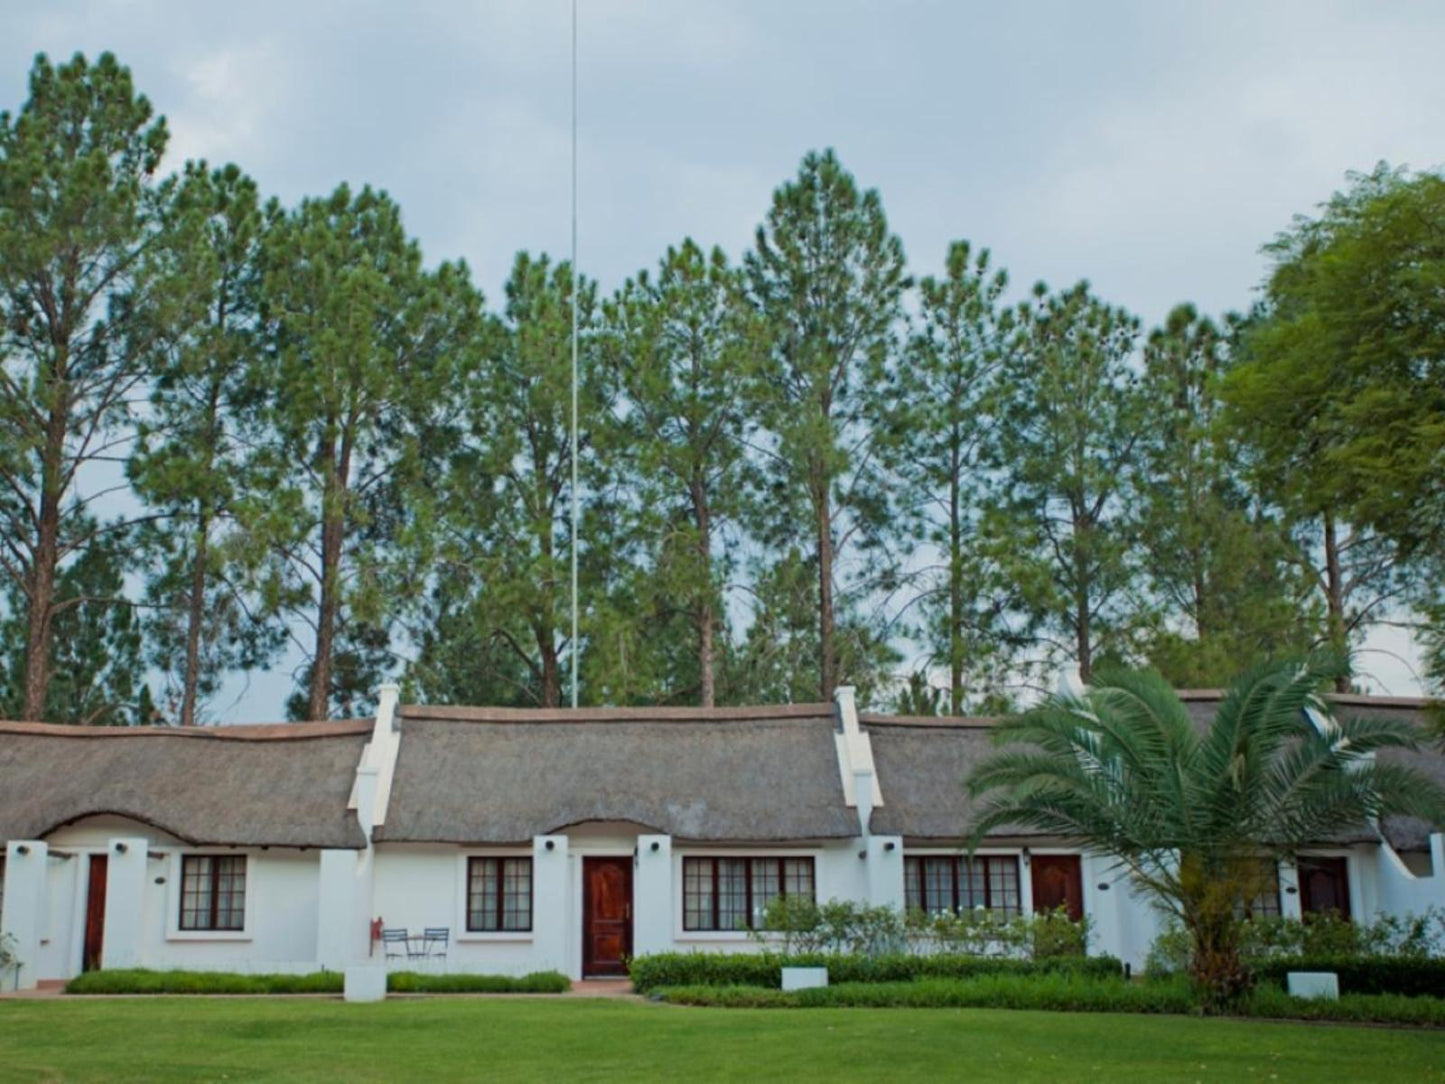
(575, 498)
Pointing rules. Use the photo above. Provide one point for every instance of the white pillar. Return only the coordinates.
(551, 910)
(1289, 901)
(652, 914)
(125, 888)
(343, 924)
(22, 920)
(885, 871)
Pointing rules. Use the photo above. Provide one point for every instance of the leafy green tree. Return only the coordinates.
(1069, 422)
(1224, 571)
(682, 342)
(502, 521)
(189, 463)
(827, 277)
(1189, 814)
(941, 422)
(78, 209)
(368, 355)
(98, 664)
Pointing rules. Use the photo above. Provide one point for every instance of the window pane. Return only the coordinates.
(732, 893)
(913, 883)
(972, 884)
(482, 894)
(1003, 884)
(938, 884)
(798, 877)
(697, 894)
(230, 882)
(517, 894)
(766, 885)
(196, 892)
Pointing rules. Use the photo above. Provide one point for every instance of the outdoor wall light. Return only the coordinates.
(160, 880)
(22, 849)
(551, 844)
(1290, 890)
(656, 846)
(863, 855)
(890, 845)
(1025, 856)
(1103, 886)
(121, 848)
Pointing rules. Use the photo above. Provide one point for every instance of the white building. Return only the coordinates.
(543, 839)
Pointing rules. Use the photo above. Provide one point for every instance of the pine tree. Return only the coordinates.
(78, 208)
(827, 278)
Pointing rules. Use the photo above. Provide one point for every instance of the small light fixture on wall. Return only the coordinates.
(890, 845)
(160, 880)
(1025, 856)
(1103, 886)
(656, 846)
(1291, 890)
(551, 844)
(121, 848)
(22, 849)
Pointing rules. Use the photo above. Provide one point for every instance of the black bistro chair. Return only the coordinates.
(435, 940)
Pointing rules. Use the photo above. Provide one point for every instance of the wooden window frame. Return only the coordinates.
(715, 925)
(500, 860)
(213, 916)
(956, 863)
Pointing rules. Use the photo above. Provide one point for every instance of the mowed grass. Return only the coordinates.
(163, 1038)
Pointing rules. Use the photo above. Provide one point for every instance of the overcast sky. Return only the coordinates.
(1149, 147)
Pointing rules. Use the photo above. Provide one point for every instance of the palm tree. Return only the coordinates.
(1191, 812)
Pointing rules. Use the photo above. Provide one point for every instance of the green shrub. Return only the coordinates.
(1054, 992)
(538, 982)
(142, 981)
(1062, 993)
(765, 969)
(1364, 974)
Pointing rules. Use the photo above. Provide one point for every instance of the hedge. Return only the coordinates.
(765, 969)
(1063, 993)
(141, 981)
(538, 982)
(1364, 974)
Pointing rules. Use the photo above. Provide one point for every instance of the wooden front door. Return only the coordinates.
(1324, 885)
(94, 913)
(606, 915)
(1058, 882)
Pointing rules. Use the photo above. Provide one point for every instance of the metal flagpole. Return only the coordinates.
(575, 498)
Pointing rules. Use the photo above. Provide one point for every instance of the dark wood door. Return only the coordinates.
(606, 915)
(1058, 882)
(94, 913)
(1324, 885)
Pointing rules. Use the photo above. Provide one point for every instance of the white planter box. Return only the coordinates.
(804, 978)
(1313, 984)
(366, 983)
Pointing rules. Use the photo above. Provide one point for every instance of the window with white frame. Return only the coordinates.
(499, 894)
(213, 892)
(949, 882)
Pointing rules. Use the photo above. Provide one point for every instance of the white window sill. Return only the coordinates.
(721, 937)
(494, 935)
(208, 935)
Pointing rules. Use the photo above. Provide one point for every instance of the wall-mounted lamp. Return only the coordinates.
(1291, 890)
(863, 855)
(22, 849)
(890, 845)
(551, 844)
(1103, 886)
(160, 880)
(121, 848)
(1025, 856)
(656, 846)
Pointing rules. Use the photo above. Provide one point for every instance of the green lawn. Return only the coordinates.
(158, 1039)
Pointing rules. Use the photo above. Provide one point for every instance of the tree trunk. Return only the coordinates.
(333, 532)
(1082, 617)
(1335, 599)
(707, 693)
(551, 669)
(195, 616)
(41, 609)
(827, 660)
(955, 590)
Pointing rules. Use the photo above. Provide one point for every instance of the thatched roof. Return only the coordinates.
(469, 775)
(284, 785)
(922, 763)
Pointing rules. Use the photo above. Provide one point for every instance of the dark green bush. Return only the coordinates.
(1057, 992)
(1363, 974)
(538, 982)
(142, 981)
(1063, 993)
(765, 969)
